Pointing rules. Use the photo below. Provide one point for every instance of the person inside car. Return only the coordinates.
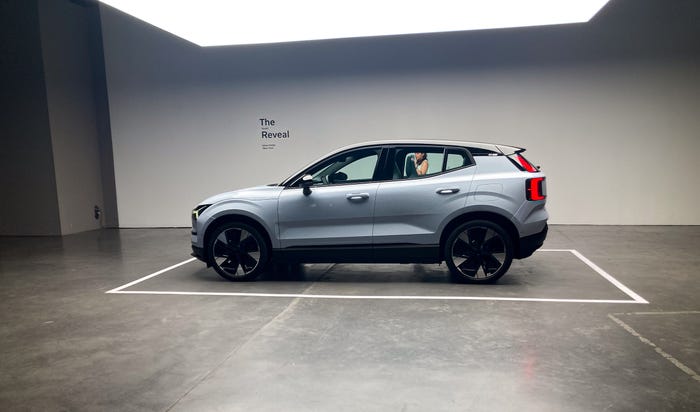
(421, 163)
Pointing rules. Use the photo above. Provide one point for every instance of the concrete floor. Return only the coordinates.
(66, 345)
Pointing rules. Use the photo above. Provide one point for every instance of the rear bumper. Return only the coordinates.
(529, 244)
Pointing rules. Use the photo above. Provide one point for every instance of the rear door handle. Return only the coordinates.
(447, 191)
(357, 196)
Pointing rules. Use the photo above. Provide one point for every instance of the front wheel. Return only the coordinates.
(478, 251)
(237, 251)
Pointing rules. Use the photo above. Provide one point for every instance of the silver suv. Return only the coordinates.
(476, 206)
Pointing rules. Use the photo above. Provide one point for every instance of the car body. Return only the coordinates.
(477, 207)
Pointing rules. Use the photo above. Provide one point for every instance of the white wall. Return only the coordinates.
(618, 139)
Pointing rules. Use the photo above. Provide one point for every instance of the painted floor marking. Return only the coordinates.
(152, 275)
(609, 278)
(658, 350)
(680, 312)
(377, 297)
(635, 297)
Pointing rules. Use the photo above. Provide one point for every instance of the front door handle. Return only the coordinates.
(357, 196)
(447, 191)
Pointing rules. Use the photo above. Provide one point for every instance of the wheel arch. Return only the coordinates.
(240, 218)
(494, 217)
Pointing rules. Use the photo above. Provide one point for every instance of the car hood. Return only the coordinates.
(250, 193)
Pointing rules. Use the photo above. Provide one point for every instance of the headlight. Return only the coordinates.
(198, 211)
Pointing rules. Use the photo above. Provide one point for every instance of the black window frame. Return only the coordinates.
(383, 171)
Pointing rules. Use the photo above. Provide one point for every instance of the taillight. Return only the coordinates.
(534, 189)
(525, 164)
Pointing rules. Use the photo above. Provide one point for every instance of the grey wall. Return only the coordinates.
(55, 157)
(28, 198)
(65, 35)
(608, 109)
(110, 217)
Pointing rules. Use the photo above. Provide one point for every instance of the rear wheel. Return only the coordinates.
(237, 251)
(478, 251)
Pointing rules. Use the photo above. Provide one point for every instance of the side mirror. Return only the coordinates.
(306, 183)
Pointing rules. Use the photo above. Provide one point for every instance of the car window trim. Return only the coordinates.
(385, 156)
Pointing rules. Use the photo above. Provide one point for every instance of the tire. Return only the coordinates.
(478, 251)
(237, 251)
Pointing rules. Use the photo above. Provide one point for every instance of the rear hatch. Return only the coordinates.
(535, 187)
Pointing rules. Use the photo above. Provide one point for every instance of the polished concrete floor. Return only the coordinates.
(187, 341)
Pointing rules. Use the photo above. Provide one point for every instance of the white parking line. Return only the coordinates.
(636, 298)
(152, 275)
(378, 297)
(658, 350)
(680, 312)
(609, 278)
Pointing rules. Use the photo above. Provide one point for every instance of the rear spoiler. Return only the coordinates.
(510, 150)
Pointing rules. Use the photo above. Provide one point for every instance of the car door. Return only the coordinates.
(410, 207)
(340, 207)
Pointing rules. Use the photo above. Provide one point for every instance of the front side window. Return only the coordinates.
(351, 167)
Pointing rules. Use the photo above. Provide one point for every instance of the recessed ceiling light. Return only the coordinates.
(230, 22)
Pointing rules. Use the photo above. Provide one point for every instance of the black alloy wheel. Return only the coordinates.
(237, 251)
(478, 251)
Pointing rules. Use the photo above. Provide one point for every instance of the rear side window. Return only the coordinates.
(456, 158)
(420, 161)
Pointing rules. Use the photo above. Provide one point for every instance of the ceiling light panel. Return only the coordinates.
(231, 22)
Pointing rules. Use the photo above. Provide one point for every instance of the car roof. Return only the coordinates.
(506, 149)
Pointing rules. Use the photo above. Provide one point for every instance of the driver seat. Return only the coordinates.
(410, 167)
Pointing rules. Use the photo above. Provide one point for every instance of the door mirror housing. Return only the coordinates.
(306, 183)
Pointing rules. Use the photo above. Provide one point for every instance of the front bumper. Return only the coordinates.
(198, 252)
(529, 244)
